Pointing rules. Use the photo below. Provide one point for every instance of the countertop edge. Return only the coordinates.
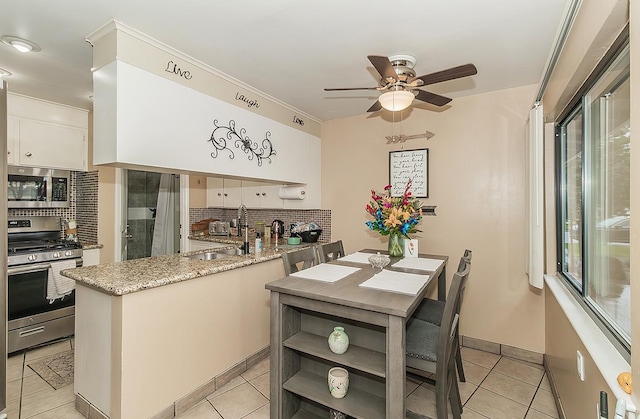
(121, 278)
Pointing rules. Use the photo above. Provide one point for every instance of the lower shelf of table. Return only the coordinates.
(357, 403)
(303, 414)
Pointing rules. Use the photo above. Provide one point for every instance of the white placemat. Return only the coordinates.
(326, 272)
(423, 264)
(357, 257)
(401, 282)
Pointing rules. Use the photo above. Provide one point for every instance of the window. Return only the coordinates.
(594, 187)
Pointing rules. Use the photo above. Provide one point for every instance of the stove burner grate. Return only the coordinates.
(41, 245)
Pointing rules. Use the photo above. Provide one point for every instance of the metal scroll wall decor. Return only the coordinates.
(226, 137)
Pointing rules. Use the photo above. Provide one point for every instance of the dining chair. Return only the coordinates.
(330, 251)
(307, 257)
(432, 349)
(431, 310)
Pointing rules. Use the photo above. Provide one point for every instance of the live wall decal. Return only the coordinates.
(225, 137)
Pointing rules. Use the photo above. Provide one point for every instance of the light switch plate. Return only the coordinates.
(580, 365)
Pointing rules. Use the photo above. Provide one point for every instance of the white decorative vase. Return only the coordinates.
(338, 340)
(338, 379)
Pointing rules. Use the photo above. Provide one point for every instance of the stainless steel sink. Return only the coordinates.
(216, 254)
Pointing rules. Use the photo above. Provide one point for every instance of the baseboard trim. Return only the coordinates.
(554, 389)
(86, 409)
(502, 349)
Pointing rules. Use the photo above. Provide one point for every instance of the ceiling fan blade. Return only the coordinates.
(432, 98)
(383, 66)
(349, 88)
(449, 74)
(375, 107)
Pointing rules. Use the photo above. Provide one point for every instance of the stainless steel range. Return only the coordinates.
(35, 248)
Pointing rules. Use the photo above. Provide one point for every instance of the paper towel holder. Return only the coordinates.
(292, 192)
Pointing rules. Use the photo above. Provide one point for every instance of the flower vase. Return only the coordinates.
(338, 380)
(396, 245)
(338, 340)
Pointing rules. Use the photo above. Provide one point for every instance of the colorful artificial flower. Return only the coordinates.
(394, 214)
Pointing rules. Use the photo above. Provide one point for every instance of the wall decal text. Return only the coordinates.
(298, 121)
(173, 68)
(250, 102)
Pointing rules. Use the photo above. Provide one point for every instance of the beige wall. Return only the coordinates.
(106, 206)
(596, 27)
(106, 212)
(578, 397)
(476, 180)
(634, 17)
(197, 191)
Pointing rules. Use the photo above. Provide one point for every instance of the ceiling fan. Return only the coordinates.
(400, 85)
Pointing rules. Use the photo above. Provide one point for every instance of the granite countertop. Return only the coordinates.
(135, 275)
(90, 246)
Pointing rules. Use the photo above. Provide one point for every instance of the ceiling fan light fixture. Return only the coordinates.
(20, 44)
(396, 100)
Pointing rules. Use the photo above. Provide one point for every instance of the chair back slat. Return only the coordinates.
(307, 257)
(330, 251)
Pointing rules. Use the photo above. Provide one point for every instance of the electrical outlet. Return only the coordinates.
(580, 365)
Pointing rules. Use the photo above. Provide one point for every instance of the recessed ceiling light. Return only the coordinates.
(20, 44)
(4, 73)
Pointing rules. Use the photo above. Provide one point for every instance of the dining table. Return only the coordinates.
(372, 305)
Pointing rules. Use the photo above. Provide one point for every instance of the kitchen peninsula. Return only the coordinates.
(156, 335)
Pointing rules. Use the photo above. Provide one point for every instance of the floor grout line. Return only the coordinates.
(24, 365)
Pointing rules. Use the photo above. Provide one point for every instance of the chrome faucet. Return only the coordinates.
(243, 222)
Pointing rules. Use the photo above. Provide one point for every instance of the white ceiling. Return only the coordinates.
(291, 49)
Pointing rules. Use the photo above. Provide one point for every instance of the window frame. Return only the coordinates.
(574, 107)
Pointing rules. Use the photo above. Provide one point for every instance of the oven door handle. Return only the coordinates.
(28, 269)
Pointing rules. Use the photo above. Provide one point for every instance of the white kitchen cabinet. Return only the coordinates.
(261, 195)
(224, 193)
(44, 144)
(312, 173)
(46, 134)
(12, 125)
(91, 257)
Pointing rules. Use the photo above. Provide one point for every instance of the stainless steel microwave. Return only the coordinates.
(30, 187)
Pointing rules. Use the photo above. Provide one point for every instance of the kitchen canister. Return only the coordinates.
(338, 340)
(338, 379)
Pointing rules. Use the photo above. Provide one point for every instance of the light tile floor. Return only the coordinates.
(497, 387)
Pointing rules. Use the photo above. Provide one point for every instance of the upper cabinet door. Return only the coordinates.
(47, 134)
(12, 127)
(232, 193)
(251, 194)
(270, 196)
(261, 194)
(45, 144)
(215, 192)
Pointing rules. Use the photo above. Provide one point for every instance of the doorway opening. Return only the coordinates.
(152, 215)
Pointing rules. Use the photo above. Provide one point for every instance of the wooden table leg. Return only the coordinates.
(396, 368)
(275, 357)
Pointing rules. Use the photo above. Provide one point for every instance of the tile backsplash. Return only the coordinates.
(83, 206)
(321, 217)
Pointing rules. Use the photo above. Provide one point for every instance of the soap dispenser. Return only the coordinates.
(258, 245)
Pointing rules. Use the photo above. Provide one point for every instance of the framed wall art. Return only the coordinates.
(409, 164)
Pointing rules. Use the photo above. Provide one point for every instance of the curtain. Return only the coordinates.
(163, 232)
(535, 196)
